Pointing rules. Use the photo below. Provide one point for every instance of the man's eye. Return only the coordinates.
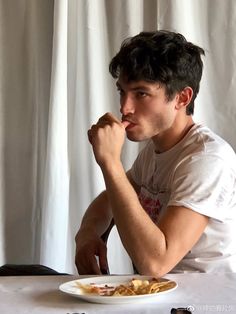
(141, 94)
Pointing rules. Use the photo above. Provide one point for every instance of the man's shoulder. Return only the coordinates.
(203, 149)
(210, 142)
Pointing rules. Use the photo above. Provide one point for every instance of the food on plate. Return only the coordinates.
(132, 287)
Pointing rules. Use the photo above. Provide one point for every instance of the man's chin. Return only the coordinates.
(134, 138)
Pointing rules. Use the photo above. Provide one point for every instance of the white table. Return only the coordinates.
(205, 293)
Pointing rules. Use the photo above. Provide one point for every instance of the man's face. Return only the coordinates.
(146, 107)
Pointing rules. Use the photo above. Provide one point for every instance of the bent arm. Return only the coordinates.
(154, 249)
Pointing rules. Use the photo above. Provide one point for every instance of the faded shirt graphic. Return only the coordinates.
(153, 203)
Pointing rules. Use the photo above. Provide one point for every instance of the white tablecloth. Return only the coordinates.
(203, 293)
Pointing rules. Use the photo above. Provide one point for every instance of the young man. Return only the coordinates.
(175, 209)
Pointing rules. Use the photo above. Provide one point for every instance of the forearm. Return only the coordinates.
(143, 240)
(98, 216)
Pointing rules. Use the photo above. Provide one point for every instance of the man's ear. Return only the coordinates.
(184, 97)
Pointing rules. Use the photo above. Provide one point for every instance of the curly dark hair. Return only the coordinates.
(164, 57)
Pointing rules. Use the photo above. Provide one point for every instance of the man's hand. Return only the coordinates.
(88, 247)
(107, 138)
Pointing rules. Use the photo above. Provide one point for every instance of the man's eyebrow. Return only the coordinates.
(138, 87)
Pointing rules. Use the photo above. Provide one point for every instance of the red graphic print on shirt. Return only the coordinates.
(151, 205)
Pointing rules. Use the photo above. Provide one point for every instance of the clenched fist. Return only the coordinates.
(107, 138)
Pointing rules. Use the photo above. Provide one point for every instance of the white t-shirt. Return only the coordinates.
(199, 173)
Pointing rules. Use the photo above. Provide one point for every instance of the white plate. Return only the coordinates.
(71, 288)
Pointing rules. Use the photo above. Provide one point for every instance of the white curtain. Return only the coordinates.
(55, 83)
(26, 29)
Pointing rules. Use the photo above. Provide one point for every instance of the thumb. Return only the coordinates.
(125, 123)
(103, 263)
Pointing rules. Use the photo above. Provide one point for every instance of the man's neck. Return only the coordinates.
(169, 138)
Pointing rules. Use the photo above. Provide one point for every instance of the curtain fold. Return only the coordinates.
(56, 179)
(54, 83)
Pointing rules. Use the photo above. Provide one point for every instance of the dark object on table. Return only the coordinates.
(180, 310)
(27, 270)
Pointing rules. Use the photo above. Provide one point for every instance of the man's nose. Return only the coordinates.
(126, 105)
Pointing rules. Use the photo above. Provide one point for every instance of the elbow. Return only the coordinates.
(156, 263)
(153, 268)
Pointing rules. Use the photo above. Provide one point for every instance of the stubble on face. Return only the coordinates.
(153, 118)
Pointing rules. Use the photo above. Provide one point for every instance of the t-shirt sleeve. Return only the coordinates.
(205, 184)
